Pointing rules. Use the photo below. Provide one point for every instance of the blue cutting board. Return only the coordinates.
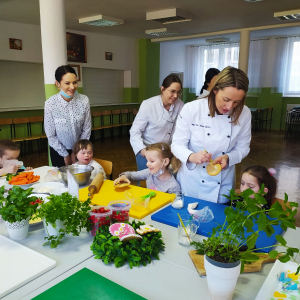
(169, 216)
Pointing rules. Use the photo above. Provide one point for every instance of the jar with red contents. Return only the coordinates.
(99, 216)
(120, 210)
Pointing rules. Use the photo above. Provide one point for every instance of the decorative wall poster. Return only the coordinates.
(108, 55)
(76, 47)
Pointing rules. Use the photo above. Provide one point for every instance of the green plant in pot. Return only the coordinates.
(224, 258)
(63, 214)
(16, 210)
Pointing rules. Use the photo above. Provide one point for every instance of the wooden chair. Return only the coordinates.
(125, 118)
(292, 123)
(7, 122)
(107, 121)
(21, 137)
(266, 117)
(116, 121)
(106, 165)
(256, 120)
(97, 115)
(38, 124)
(135, 111)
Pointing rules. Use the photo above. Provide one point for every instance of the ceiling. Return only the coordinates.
(207, 16)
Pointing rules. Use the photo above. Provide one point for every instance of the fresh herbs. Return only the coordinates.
(10, 176)
(17, 205)
(67, 209)
(249, 217)
(109, 248)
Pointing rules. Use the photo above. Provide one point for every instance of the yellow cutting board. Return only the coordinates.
(108, 193)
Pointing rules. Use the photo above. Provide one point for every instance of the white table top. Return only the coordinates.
(175, 268)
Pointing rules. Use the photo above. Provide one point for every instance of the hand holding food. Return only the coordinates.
(222, 160)
(121, 179)
(200, 157)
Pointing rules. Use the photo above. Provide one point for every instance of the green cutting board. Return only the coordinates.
(88, 285)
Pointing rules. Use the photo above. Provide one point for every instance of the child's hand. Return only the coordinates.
(28, 168)
(10, 169)
(222, 160)
(122, 178)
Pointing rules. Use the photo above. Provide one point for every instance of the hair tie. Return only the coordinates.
(272, 171)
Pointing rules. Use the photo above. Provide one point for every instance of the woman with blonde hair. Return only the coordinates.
(157, 175)
(221, 124)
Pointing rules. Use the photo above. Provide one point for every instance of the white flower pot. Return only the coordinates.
(221, 278)
(18, 230)
(49, 229)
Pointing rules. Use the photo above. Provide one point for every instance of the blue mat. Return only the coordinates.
(169, 216)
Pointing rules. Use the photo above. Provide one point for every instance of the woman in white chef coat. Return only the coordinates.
(210, 77)
(220, 124)
(155, 121)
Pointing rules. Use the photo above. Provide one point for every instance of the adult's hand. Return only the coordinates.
(73, 158)
(222, 160)
(143, 152)
(200, 157)
(68, 160)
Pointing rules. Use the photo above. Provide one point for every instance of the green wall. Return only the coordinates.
(149, 60)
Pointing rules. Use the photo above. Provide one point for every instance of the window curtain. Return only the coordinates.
(201, 58)
(257, 66)
(280, 71)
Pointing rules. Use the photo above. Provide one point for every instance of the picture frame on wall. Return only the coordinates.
(77, 70)
(15, 44)
(76, 47)
(108, 56)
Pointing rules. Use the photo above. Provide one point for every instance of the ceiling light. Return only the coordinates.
(253, 0)
(167, 16)
(288, 15)
(217, 40)
(161, 31)
(101, 20)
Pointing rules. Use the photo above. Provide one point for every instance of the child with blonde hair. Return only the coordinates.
(158, 176)
(84, 151)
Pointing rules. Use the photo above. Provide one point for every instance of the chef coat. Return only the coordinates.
(205, 93)
(153, 123)
(196, 130)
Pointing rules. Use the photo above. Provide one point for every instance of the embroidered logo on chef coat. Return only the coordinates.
(199, 125)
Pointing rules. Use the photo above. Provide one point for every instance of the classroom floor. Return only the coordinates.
(270, 149)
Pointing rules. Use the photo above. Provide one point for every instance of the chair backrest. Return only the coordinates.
(135, 111)
(5, 121)
(36, 119)
(106, 165)
(125, 111)
(97, 113)
(116, 111)
(20, 120)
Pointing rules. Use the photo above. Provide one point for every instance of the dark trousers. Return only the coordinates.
(56, 159)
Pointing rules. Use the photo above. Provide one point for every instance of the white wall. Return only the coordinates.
(125, 50)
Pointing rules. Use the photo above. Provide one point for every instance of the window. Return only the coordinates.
(294, 74)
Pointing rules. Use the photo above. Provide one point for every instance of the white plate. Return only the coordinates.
(38, 186)
(23, 186)
(271, 283)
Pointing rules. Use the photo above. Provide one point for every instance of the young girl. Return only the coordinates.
(83, 150)
(253, 178)
(157, 176)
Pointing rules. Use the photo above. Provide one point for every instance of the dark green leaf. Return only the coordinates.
(273, 254)
(280, 240)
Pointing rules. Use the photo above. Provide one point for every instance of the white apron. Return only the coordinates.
(196, 130)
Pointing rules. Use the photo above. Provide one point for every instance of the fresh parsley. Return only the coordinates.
(110, 249)
(16, 206)
(70, 211)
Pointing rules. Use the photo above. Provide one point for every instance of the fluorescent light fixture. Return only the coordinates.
(288, 15)
(161, 31)
(101, 20)
(217, 40)
(253, 0)
(167, 16)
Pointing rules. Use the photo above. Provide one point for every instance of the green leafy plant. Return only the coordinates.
(110, 249)
(17, 205)
(10, 175)
(226, 241)
(70, 211)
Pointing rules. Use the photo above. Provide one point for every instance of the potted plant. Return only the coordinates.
(63, 214)
(224, 260)
(16, 209)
